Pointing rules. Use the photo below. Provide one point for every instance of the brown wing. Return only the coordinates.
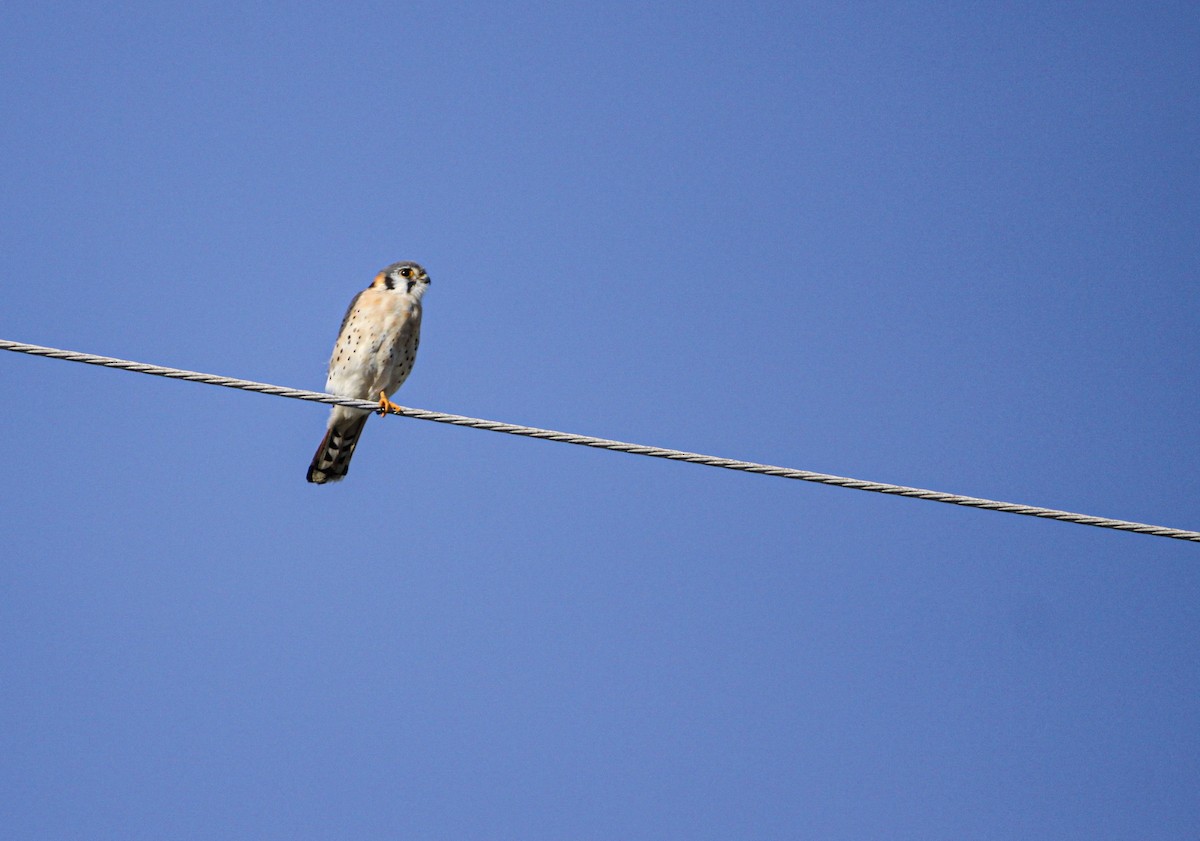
(349, 310)
(345, 321)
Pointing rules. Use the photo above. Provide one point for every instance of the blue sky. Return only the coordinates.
(951, 246)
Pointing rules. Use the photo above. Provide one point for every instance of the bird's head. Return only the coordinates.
(405, 276)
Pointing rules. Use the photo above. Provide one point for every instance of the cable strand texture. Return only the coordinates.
(607, 444)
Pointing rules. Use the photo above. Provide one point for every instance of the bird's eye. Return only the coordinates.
(406, 272)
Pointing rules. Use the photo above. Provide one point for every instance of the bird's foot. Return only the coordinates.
(386, 406)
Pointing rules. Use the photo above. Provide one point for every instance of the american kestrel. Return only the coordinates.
(372, 357)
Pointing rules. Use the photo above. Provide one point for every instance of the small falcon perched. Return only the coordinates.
(373, 356)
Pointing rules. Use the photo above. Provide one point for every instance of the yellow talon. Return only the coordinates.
(386, 405)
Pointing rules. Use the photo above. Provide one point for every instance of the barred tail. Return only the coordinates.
(332, 461)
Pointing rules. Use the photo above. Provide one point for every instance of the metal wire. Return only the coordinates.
(606, 444)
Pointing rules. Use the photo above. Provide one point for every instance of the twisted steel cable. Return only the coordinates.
(607, 444)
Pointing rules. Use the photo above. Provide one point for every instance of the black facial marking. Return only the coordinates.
(389, 282)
